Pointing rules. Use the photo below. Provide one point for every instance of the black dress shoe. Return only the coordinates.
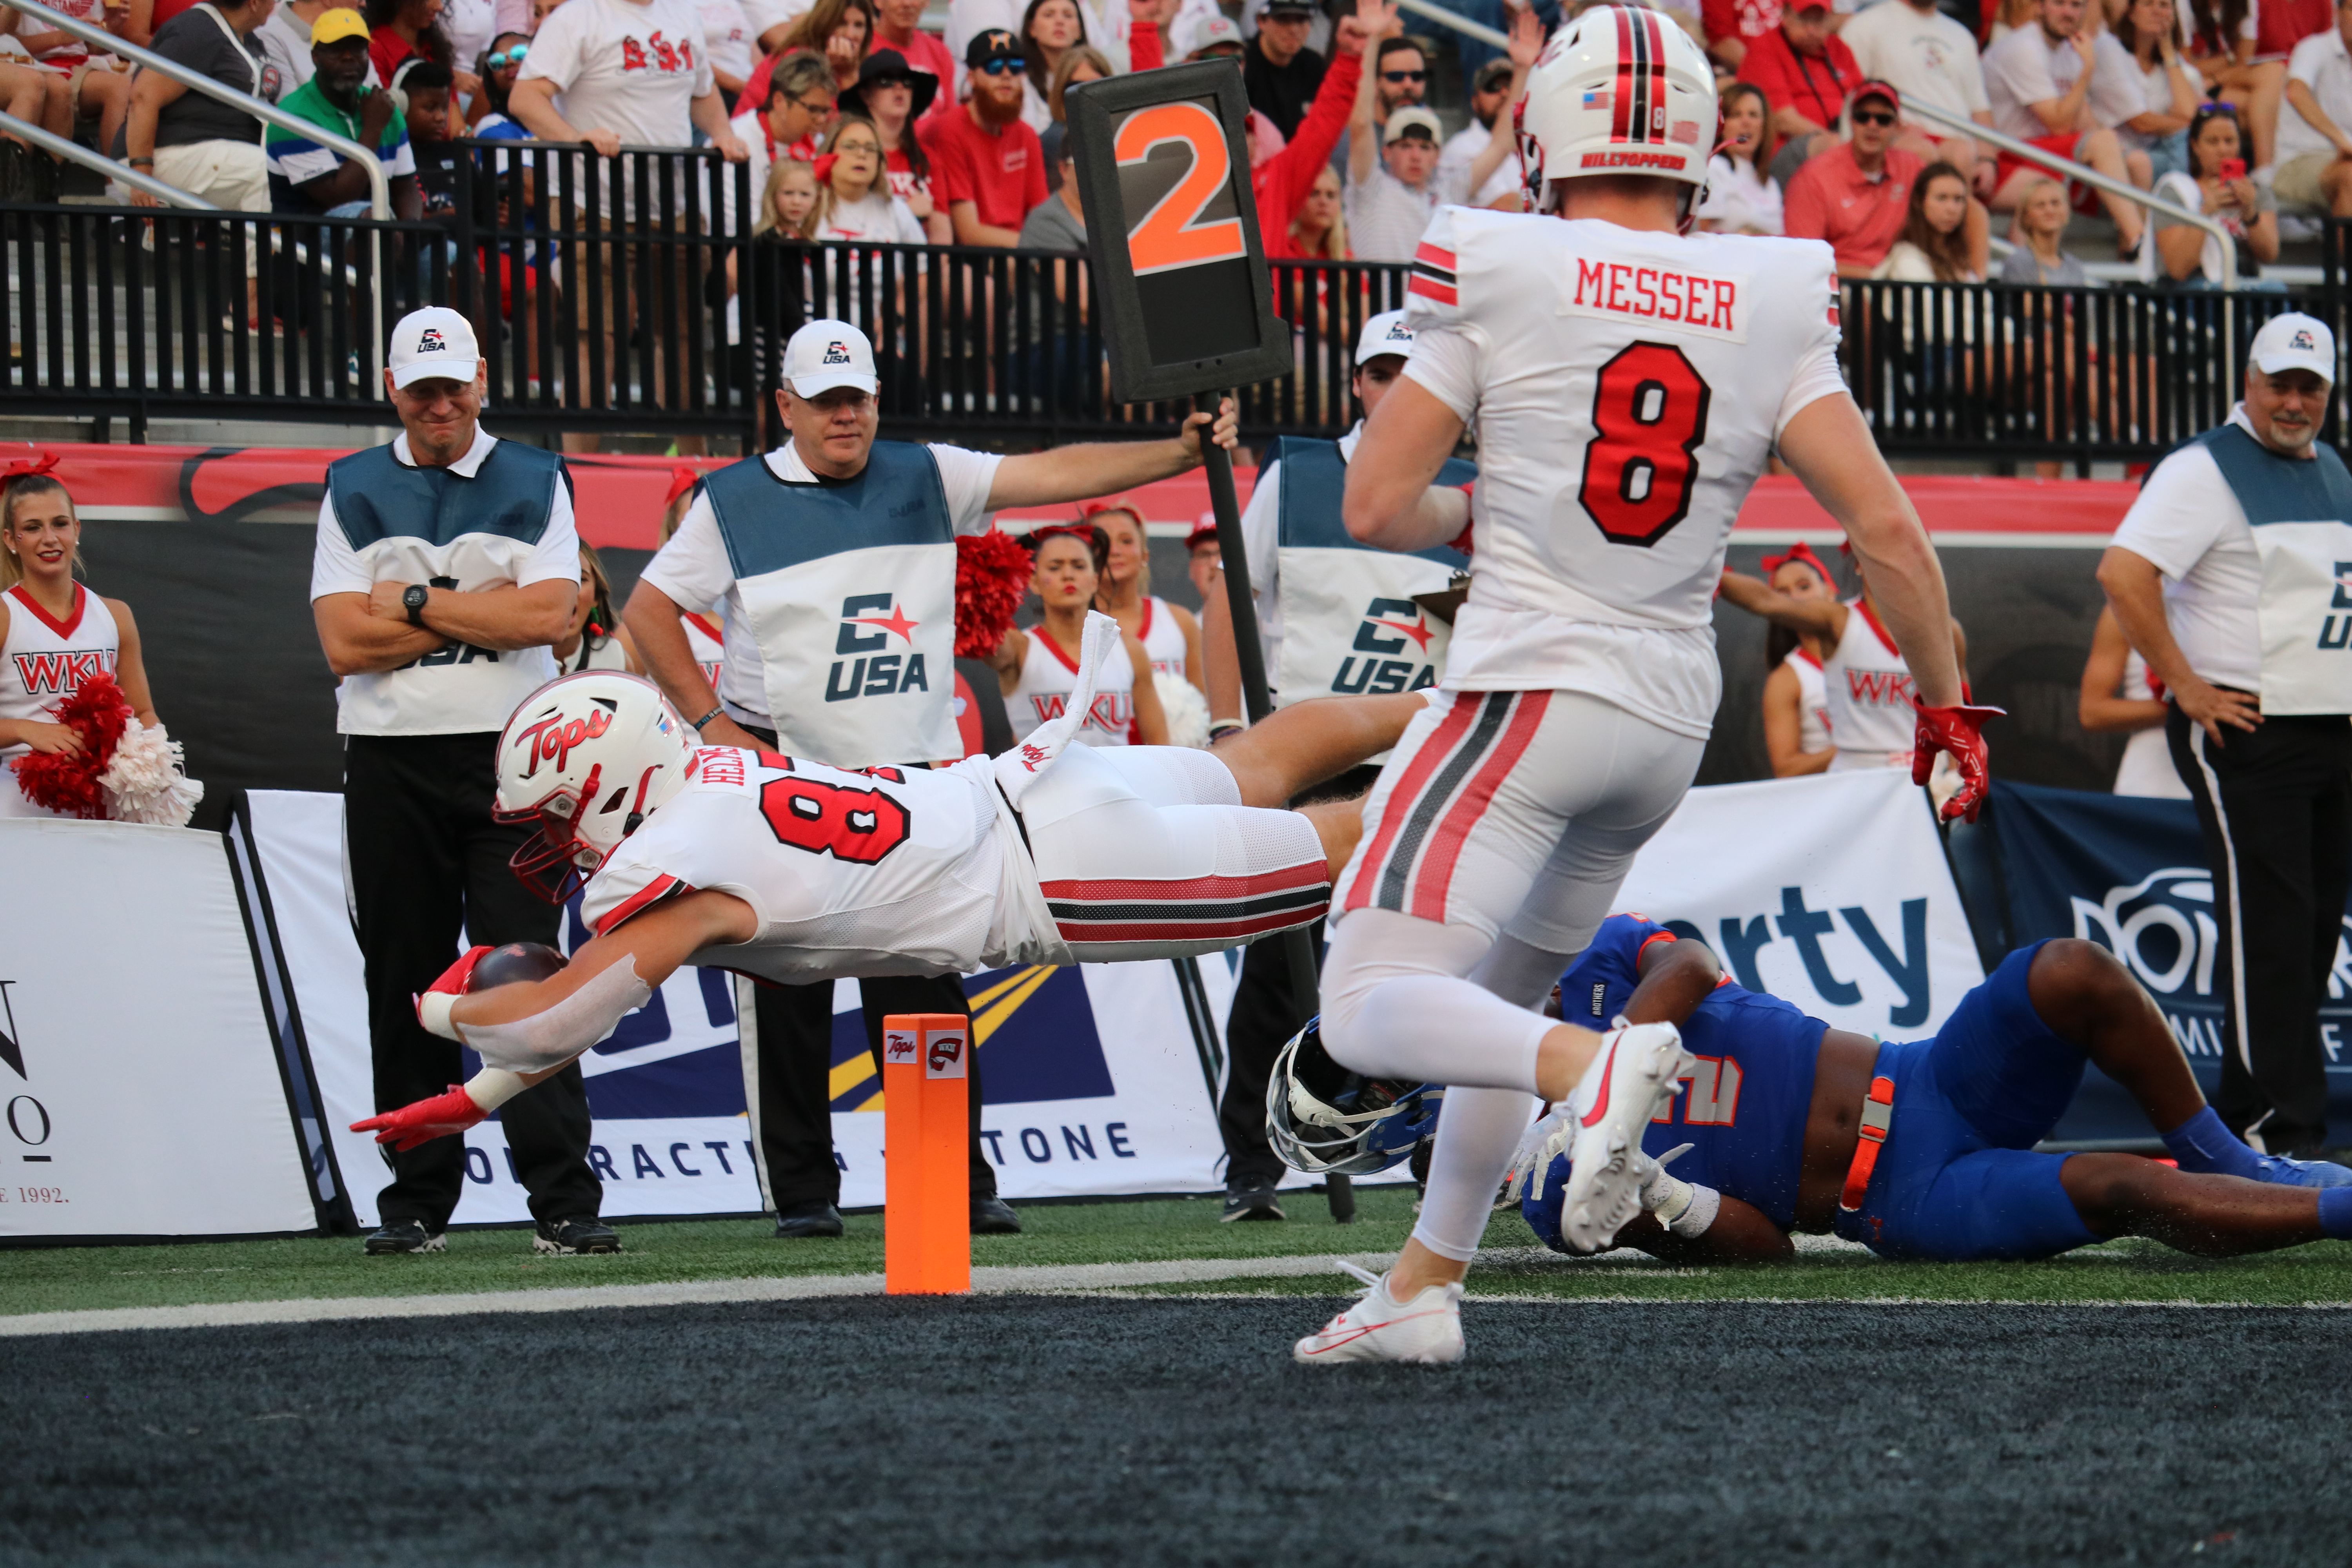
(815, 1217)
(993, 1216)
(575, 1237)
(401, 1236)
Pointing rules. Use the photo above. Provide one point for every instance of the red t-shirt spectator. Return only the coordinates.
(1831, 198)
(2280, 25)
(1747, 20)
(387, 48)
(1814, 85)
(1002, 175)
(1282, 182)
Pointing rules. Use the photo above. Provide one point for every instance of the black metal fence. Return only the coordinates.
(643, 294)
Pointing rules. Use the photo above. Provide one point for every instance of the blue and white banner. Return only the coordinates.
(1830, 892)
(2130, 874)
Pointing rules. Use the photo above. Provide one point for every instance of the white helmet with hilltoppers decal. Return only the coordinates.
(586, 758)
(1619, 90)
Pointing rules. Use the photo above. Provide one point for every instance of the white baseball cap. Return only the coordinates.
(825, 354)
(1413, 117)
(1204, 30)
(437, 342)
(1385, 333)
(2295, 342)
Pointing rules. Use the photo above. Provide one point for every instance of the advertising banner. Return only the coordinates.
(1095, 1082)
(2130, 874)
(142, 1096)
(1831, 892)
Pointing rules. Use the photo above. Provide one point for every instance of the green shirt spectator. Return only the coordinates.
(308, 177)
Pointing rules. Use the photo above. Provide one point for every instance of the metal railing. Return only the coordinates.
(631, 295)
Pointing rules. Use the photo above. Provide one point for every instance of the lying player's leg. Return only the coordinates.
(528, 1031)
(2209, 1215)
(2088, 998)
(1295, 748)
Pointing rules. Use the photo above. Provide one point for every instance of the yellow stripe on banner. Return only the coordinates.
(1002, 987)
(847, 1076)
(988, 1020)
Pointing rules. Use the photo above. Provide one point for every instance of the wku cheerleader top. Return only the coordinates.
(45, 660)
(1743, 1107)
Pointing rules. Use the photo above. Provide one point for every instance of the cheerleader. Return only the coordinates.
(1168, 633)
(596, 639)
(1037, 670)
(1796, 697)
(2119, 694)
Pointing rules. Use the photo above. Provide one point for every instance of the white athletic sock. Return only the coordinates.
(1478, 1130)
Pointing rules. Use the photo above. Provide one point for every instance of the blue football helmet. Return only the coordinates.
(1323, 1119)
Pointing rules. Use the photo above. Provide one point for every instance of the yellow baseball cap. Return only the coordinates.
(333, 26)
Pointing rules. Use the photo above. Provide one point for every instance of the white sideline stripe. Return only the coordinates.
(985, 1282)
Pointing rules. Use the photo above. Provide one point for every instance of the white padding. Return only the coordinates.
(555, 1036)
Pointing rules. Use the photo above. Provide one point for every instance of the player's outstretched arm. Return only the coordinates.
(1390, 504)
(1821, 618)
(1294, 749)
(1830, 448)
(528, 1031)
(1741, 1233)
(1676, 976)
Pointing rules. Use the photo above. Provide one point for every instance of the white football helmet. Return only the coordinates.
(585, 757)
(1619, 90)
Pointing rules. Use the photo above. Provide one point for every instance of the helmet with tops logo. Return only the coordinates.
(586, 758)
(1618, 91)
(1321, 1118)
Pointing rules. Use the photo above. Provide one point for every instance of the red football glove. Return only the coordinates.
(1960, 730)
(433, 1007)
(421, 1122)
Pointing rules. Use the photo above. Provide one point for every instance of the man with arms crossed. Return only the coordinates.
(1628, 385)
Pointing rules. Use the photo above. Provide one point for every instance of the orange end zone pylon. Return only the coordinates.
(926, 1129)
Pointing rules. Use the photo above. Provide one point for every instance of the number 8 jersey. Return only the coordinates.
(1626, 387)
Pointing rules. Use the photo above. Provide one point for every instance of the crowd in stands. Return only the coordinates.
(859, 123)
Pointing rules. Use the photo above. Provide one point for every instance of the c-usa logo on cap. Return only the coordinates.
(836, 353)
(2303, 339)
(430, 341)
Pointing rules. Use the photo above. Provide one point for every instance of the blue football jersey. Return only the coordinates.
(1744, 1106)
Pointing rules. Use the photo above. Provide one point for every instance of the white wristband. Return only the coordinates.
(433, 1012)
(1705, 1204)
(493, 1087)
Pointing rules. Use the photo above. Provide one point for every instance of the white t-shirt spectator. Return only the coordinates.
(696, 574)
(764, 14)
(2321, 64)
(470, 24)
(2250, 29)
(1740, 199)
(1385, 216)
(726, 37)
(1453, 168)
(2188, 524)
(2026, 67)
(632, 67)
(877, 216)
(1928, 58)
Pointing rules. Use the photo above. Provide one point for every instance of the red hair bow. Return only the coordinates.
(681, 479)
(1802, 552)
(25, 467)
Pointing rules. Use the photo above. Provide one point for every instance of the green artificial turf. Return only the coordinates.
(65, 1278)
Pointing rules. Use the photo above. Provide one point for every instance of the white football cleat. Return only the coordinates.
(1426, 1330)
(1636, 1067)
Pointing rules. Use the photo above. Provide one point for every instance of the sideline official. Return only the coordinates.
(836, 557)
(447, 564)
(2229, 576)
(1335, 618)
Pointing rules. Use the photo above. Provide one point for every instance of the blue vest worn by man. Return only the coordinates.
(1349, 622)
(441, 527)
(849, 588)
(2300, 512)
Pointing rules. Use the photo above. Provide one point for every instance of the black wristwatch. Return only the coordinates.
(411, 599)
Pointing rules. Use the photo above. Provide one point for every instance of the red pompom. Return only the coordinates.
(67, 781)
(992, 573)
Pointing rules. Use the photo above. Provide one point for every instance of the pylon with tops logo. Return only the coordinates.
(927, 1173)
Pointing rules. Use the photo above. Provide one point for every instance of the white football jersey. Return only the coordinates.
(1626, 388)
(1813, 730)
(892, 872)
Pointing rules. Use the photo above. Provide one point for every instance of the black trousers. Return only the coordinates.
(792, 1046)
(2276, 808)
(425, 859)
(1265, 1014)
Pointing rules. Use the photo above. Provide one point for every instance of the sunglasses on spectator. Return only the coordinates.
(505, 58)
(1405, 76)
(1873, 117)
(1001, 65)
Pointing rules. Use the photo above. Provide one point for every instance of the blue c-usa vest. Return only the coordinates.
(1349, 622)
(2300, 512)
(436, 526)
(848, 588)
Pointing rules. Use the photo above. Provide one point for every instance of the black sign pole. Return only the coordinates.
(1187, 308)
